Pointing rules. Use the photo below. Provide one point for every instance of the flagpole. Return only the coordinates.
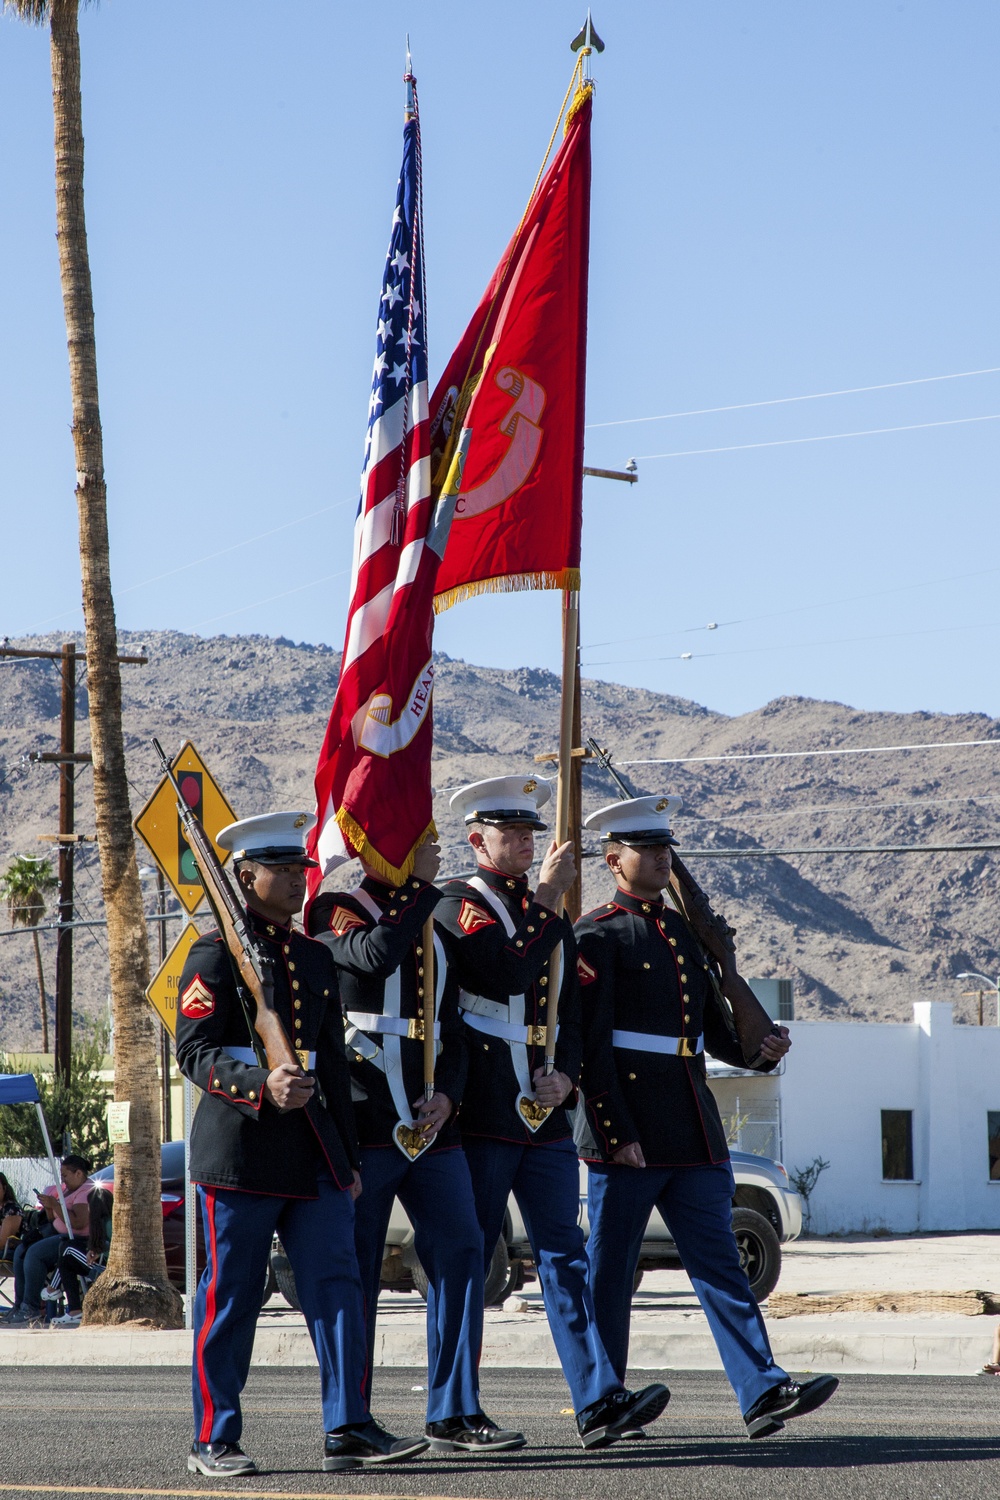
(571, 636)
(586, 43)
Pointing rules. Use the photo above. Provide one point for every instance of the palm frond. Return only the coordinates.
(35, 12)
(24, 886)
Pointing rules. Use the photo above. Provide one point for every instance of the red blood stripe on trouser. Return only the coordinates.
(208, 1405)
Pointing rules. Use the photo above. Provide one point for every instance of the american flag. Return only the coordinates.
(373, 792)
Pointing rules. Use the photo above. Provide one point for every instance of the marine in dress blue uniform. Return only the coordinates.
(656, 1138)
(375, 934)
(501, 940)
(274, 1150)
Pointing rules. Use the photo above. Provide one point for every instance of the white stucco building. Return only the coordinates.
(906, 1113)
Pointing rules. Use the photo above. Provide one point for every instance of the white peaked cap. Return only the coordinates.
(503, 799)
(640, 820)
(272, 839)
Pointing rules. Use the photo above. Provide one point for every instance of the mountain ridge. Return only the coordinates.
(861, 936)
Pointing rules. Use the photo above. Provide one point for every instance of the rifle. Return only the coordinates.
(741, 1009)
(252, 968)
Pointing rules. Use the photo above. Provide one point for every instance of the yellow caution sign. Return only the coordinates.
(162, 831)
(161, 992)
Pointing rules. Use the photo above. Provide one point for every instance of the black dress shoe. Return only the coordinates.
(366, 1443)
(475, 1435)
(782, 1402)
(623, 1411)
(219, 1460)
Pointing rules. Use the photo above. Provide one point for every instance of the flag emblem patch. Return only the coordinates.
(197, 1000)
(471, 917)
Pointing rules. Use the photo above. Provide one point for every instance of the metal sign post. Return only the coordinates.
(190, 1222)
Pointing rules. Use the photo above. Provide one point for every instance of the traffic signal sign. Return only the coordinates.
(161, 830)
(192, 788)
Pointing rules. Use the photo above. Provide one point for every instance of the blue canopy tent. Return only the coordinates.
(21, 1088)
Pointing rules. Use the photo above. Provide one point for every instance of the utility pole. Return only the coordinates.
(67, 759)
(67, 816)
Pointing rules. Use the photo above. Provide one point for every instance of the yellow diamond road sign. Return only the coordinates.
(161, 991)
(161, 830)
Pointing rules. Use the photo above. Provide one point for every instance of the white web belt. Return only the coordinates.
(391, 1025)
(650, 1041)
(248, 1055)
(496, 1018)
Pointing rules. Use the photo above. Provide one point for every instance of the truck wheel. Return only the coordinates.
(499, 1276)
(760, 1251)
(285, 1277)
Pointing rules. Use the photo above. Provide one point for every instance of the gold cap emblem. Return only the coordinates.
(662, 805)
(529, 787)
(300, 821)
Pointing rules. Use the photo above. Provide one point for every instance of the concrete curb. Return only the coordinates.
(880, 1344)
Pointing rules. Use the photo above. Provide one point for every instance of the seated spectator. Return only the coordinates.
(34, 1262)
(78, 1268)
(10, 1218)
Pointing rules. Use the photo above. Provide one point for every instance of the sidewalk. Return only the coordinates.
(668, 1328)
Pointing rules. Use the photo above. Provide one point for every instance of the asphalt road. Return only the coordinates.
(102, 1431)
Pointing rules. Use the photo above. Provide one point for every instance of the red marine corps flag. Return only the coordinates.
(514, 388)
(373, 784)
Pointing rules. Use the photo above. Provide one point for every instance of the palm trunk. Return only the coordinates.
(135, 1284)
(41, 991)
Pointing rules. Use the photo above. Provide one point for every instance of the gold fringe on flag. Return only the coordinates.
(358, 840)
(507, 583)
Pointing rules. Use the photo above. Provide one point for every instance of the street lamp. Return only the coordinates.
(991, 984)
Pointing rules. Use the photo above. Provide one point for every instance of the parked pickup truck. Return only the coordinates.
(767, 1212)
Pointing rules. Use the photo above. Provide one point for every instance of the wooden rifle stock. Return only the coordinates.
(253, 967)
(740, 1005)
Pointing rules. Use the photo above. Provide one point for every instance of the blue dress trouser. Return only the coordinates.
(697, 1205)
(318, 1238)
(436, 1193)
(545, 1181)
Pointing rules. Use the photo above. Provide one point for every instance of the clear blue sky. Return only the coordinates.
(788, 199)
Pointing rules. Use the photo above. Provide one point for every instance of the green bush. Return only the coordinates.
(78, 1107)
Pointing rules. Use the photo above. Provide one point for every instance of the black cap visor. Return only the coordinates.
(507, 815)
(640, 838)
(277, 856)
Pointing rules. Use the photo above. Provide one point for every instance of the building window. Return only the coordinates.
(897, 1145)
(993, 1142)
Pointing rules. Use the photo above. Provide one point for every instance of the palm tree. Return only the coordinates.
(24, 887)
(135, 1284)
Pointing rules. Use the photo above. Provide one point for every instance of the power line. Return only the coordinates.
(844, 809)
(209, 557)
(686, 760)
(798, 609)
(826, 437)
(843, 849)
(844, 640)
(705, 411)
(270, 600)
